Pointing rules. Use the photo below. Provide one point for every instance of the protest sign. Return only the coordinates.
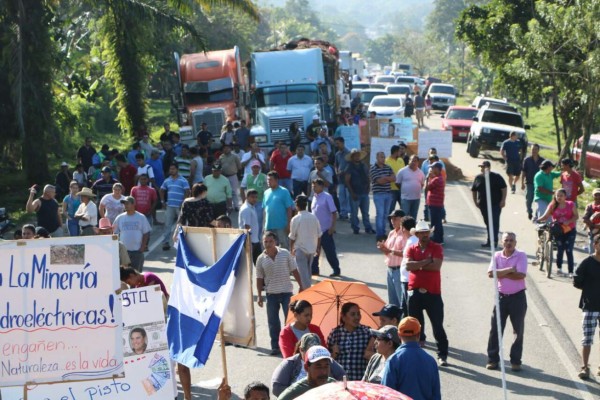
(401, 128)
(148, 371)
(381, 144)
(60, 319)
(351, 136)
(441, 140)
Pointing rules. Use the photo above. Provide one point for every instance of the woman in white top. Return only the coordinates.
(110, 204)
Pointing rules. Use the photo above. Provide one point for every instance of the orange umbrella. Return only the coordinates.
(327, 298)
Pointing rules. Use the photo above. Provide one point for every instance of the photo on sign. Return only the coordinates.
(387, 129)
(144, 338)
(71, 254)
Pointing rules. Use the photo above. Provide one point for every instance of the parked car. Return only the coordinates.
(360, 85)
(480, 101)
(388, 106)
(367, 95)
(411, 81)
(385, 79)
(378, 86)
(442, 95)
(492, 126)
(459, 119)
(592, 156)
(398, 89)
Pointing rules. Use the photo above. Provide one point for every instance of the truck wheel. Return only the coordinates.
(474, 149)
(468, 145)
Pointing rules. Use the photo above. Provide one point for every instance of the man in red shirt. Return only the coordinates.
(127, 173)
(279, 161)
(425, 287)
(145, 198)
(434, 190)
(570, 180)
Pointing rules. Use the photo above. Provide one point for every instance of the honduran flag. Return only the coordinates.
(199, 296)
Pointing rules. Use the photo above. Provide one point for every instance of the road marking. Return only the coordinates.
(555, 344)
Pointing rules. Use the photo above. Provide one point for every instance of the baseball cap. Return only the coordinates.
(485, 163)
(390, 311)
(409, 326)
(216, 167)
(128, 199)
(255, 163)
(309, 340)
(106, 169)
(397, 214)
(388, 332)
(104, 223)
(317, 353)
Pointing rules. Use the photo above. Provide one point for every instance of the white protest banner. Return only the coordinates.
(401, 128)
(381, 144)
(441, 140)
(351, 136)
(148, 371)
(59, 314)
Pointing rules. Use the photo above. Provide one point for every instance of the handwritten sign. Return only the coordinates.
(441, 140)
(60, 319)
(381, 144)
(148, 371)
(351, 136)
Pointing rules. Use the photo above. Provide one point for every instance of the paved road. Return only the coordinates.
(552, 336)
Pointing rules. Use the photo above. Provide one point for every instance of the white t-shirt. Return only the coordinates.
(411, 183)
(146, 169)
(112, 206)
(198, 176)
(412, 240)
(247, 156)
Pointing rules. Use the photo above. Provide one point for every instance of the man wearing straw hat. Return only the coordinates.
(87, 213)
(358, 185)
(511, 268)
(425, 286)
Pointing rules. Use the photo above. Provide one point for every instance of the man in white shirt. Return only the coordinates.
(143, 168)
(248, 219)
(300, 166)
(254, 154)
(305, 239)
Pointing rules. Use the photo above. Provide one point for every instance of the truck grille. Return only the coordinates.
(215, 119)
(280, 128)
(440, 99)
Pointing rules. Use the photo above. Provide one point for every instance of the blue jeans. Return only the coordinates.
(411, 207)
(258, 207)
(73, 227)
(395, 194)
(566, 244)
(394, 287)
(171, 216)
(328, 246)
(344, 197)
(362, 202)
(436, 213)
(382, 209)
(274, 302)
(529, 197)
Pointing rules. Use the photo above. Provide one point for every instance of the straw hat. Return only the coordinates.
(363, 154)
(422, 226)
(86, 192)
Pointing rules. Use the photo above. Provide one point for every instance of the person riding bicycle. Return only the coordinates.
(565, 213)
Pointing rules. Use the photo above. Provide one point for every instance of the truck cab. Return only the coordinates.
(290, 86)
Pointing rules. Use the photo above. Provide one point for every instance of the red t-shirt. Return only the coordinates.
(144, 197)
(280, 164)
(435, 194)
(570, 182)
(430, 280)
(127, 178)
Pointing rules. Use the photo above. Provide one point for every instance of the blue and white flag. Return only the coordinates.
(199, 296)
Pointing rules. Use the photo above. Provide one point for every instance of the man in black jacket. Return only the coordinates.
(587, 278)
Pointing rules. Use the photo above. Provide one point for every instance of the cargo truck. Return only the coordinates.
(211, 89)
(292, 85)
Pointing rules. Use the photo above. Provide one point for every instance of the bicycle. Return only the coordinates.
(544, 252)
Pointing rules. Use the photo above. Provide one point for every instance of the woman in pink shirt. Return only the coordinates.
(564, 212)
(393, 248)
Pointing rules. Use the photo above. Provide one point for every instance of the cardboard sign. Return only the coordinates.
(351, 136)
(441, 140)
(148, 371)
(401, 128)
(60, 318)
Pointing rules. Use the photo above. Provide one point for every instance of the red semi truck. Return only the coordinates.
(212, 89)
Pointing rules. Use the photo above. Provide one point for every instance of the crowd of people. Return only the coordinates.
(290, 200)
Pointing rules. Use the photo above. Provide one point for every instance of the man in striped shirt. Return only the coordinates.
(273, 269)
(382, 175)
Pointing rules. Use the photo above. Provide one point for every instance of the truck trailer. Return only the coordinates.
(292, 84)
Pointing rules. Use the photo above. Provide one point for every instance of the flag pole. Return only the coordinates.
(488, 195)
(221, 333)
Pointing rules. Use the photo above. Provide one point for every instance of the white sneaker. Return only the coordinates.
(570, 275)
(559, 272)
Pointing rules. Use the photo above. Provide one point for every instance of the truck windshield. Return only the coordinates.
(497, 117)
(442, 89)
(214, 97)
(282, 95)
